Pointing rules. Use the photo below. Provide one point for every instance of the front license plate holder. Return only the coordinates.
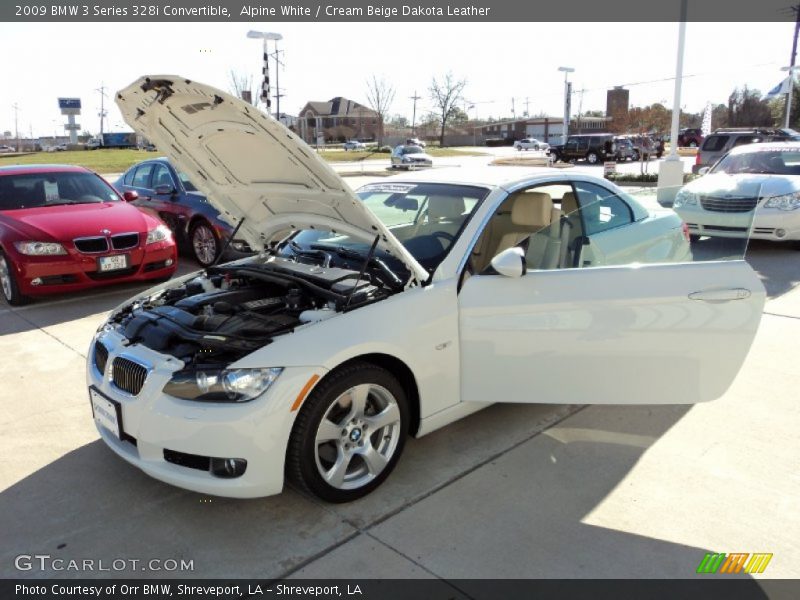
(106, 412)
(114, 262)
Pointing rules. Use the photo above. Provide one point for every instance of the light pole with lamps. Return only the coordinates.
(565, 126)
(268, 35)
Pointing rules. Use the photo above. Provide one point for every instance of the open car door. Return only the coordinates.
(638, 332)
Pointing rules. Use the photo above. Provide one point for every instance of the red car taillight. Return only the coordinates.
(697, 158)
(685, 229)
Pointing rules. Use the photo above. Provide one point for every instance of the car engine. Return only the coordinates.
(232, 310)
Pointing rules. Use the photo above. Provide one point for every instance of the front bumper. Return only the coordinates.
(153, 422)
(766, 224)
(38, 276)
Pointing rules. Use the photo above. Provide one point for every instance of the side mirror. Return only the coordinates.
(703, 170)
(510, 262)
(130, 196)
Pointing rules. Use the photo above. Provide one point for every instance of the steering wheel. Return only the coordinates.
(444, 235)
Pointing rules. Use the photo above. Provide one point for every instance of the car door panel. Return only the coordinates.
(636, 334)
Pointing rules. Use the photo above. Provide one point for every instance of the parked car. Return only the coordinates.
(593, 147)
(394, 311)
(753, 191)
(722, 141)
(643, 147)
(64, 229)
(6, 149)
(690, 138)
(531, 144)
(410, 157)
(415, 142)
(156, 187)
(625, 149)
(354, 145)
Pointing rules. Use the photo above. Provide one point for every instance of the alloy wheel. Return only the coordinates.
(357, 437)
(5, 278)
(204, 244)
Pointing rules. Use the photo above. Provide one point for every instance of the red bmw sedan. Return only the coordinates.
(63, 228)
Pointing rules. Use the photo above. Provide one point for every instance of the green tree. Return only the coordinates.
(746, 108)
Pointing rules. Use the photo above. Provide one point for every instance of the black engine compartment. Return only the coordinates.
(237, 308)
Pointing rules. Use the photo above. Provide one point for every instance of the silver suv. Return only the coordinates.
(719, 143)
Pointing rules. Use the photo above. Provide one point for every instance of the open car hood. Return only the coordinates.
(249, 165)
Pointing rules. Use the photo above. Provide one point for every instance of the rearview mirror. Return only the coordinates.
(130, 196)
(510, 262)
(703, 170)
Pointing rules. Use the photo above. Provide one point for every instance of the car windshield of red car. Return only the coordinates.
(35, 190)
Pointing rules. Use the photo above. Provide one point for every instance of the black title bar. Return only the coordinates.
(397, 10)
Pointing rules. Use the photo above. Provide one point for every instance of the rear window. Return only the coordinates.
(715, 143)
(31, 190)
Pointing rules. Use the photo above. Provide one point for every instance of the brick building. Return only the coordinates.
(338, 119)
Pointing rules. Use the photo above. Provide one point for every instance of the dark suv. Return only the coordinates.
(719, 143)
(594, 147)
(690, 138)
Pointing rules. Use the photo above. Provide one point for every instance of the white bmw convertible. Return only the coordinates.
(392, 312)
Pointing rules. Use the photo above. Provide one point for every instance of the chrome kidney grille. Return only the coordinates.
(99, 244)
(729, 205)
(127, 375)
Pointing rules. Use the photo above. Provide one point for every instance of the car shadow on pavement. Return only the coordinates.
(525, 496)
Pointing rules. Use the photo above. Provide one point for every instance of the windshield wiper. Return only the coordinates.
(340, 250)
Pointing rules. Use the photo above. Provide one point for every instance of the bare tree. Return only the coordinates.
(446, 95)
(242, 85)
(380, 95)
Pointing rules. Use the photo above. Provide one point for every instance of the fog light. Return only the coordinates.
(168, 262)
(36, 281)
(228, 467)
(780, 232)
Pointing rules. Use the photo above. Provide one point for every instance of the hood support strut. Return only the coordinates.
(228, 242)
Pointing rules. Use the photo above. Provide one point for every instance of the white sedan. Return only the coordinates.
(753, 191)
(391, 312)
(531, 144)
(354, 145)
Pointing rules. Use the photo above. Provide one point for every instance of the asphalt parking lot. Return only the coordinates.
(512, 491)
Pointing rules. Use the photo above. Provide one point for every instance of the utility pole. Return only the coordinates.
(513, 110)
(278, 95)
(102, 114)
(414, 114)
(15, 106)
(527, 106)
(791, 65)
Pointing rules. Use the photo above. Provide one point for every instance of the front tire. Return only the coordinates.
(8, 283)
(592, 158)
(204, 243)
(349, 434)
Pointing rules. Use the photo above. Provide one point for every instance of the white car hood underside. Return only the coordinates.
(249, 165)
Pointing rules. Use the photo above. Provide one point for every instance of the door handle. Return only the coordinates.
(720, 295)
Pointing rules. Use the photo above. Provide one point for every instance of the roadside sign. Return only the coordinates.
(609, 167)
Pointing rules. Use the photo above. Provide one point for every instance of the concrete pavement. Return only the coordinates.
(512, 491)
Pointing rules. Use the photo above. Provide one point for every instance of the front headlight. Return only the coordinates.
(221, 385)
(683, 198)
(40, 248)
(159, 234)
(784, 202)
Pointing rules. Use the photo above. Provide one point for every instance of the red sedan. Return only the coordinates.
(64, 229)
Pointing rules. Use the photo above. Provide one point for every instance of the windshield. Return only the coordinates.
(31, 190)
(187, 185)
(426, 218)
(766, 162)
(412, 150)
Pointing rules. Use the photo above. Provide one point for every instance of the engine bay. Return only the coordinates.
(233, 309)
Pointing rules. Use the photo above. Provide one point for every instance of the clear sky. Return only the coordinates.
(41, 62)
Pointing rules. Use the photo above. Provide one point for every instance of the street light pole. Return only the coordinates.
(565, 126)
